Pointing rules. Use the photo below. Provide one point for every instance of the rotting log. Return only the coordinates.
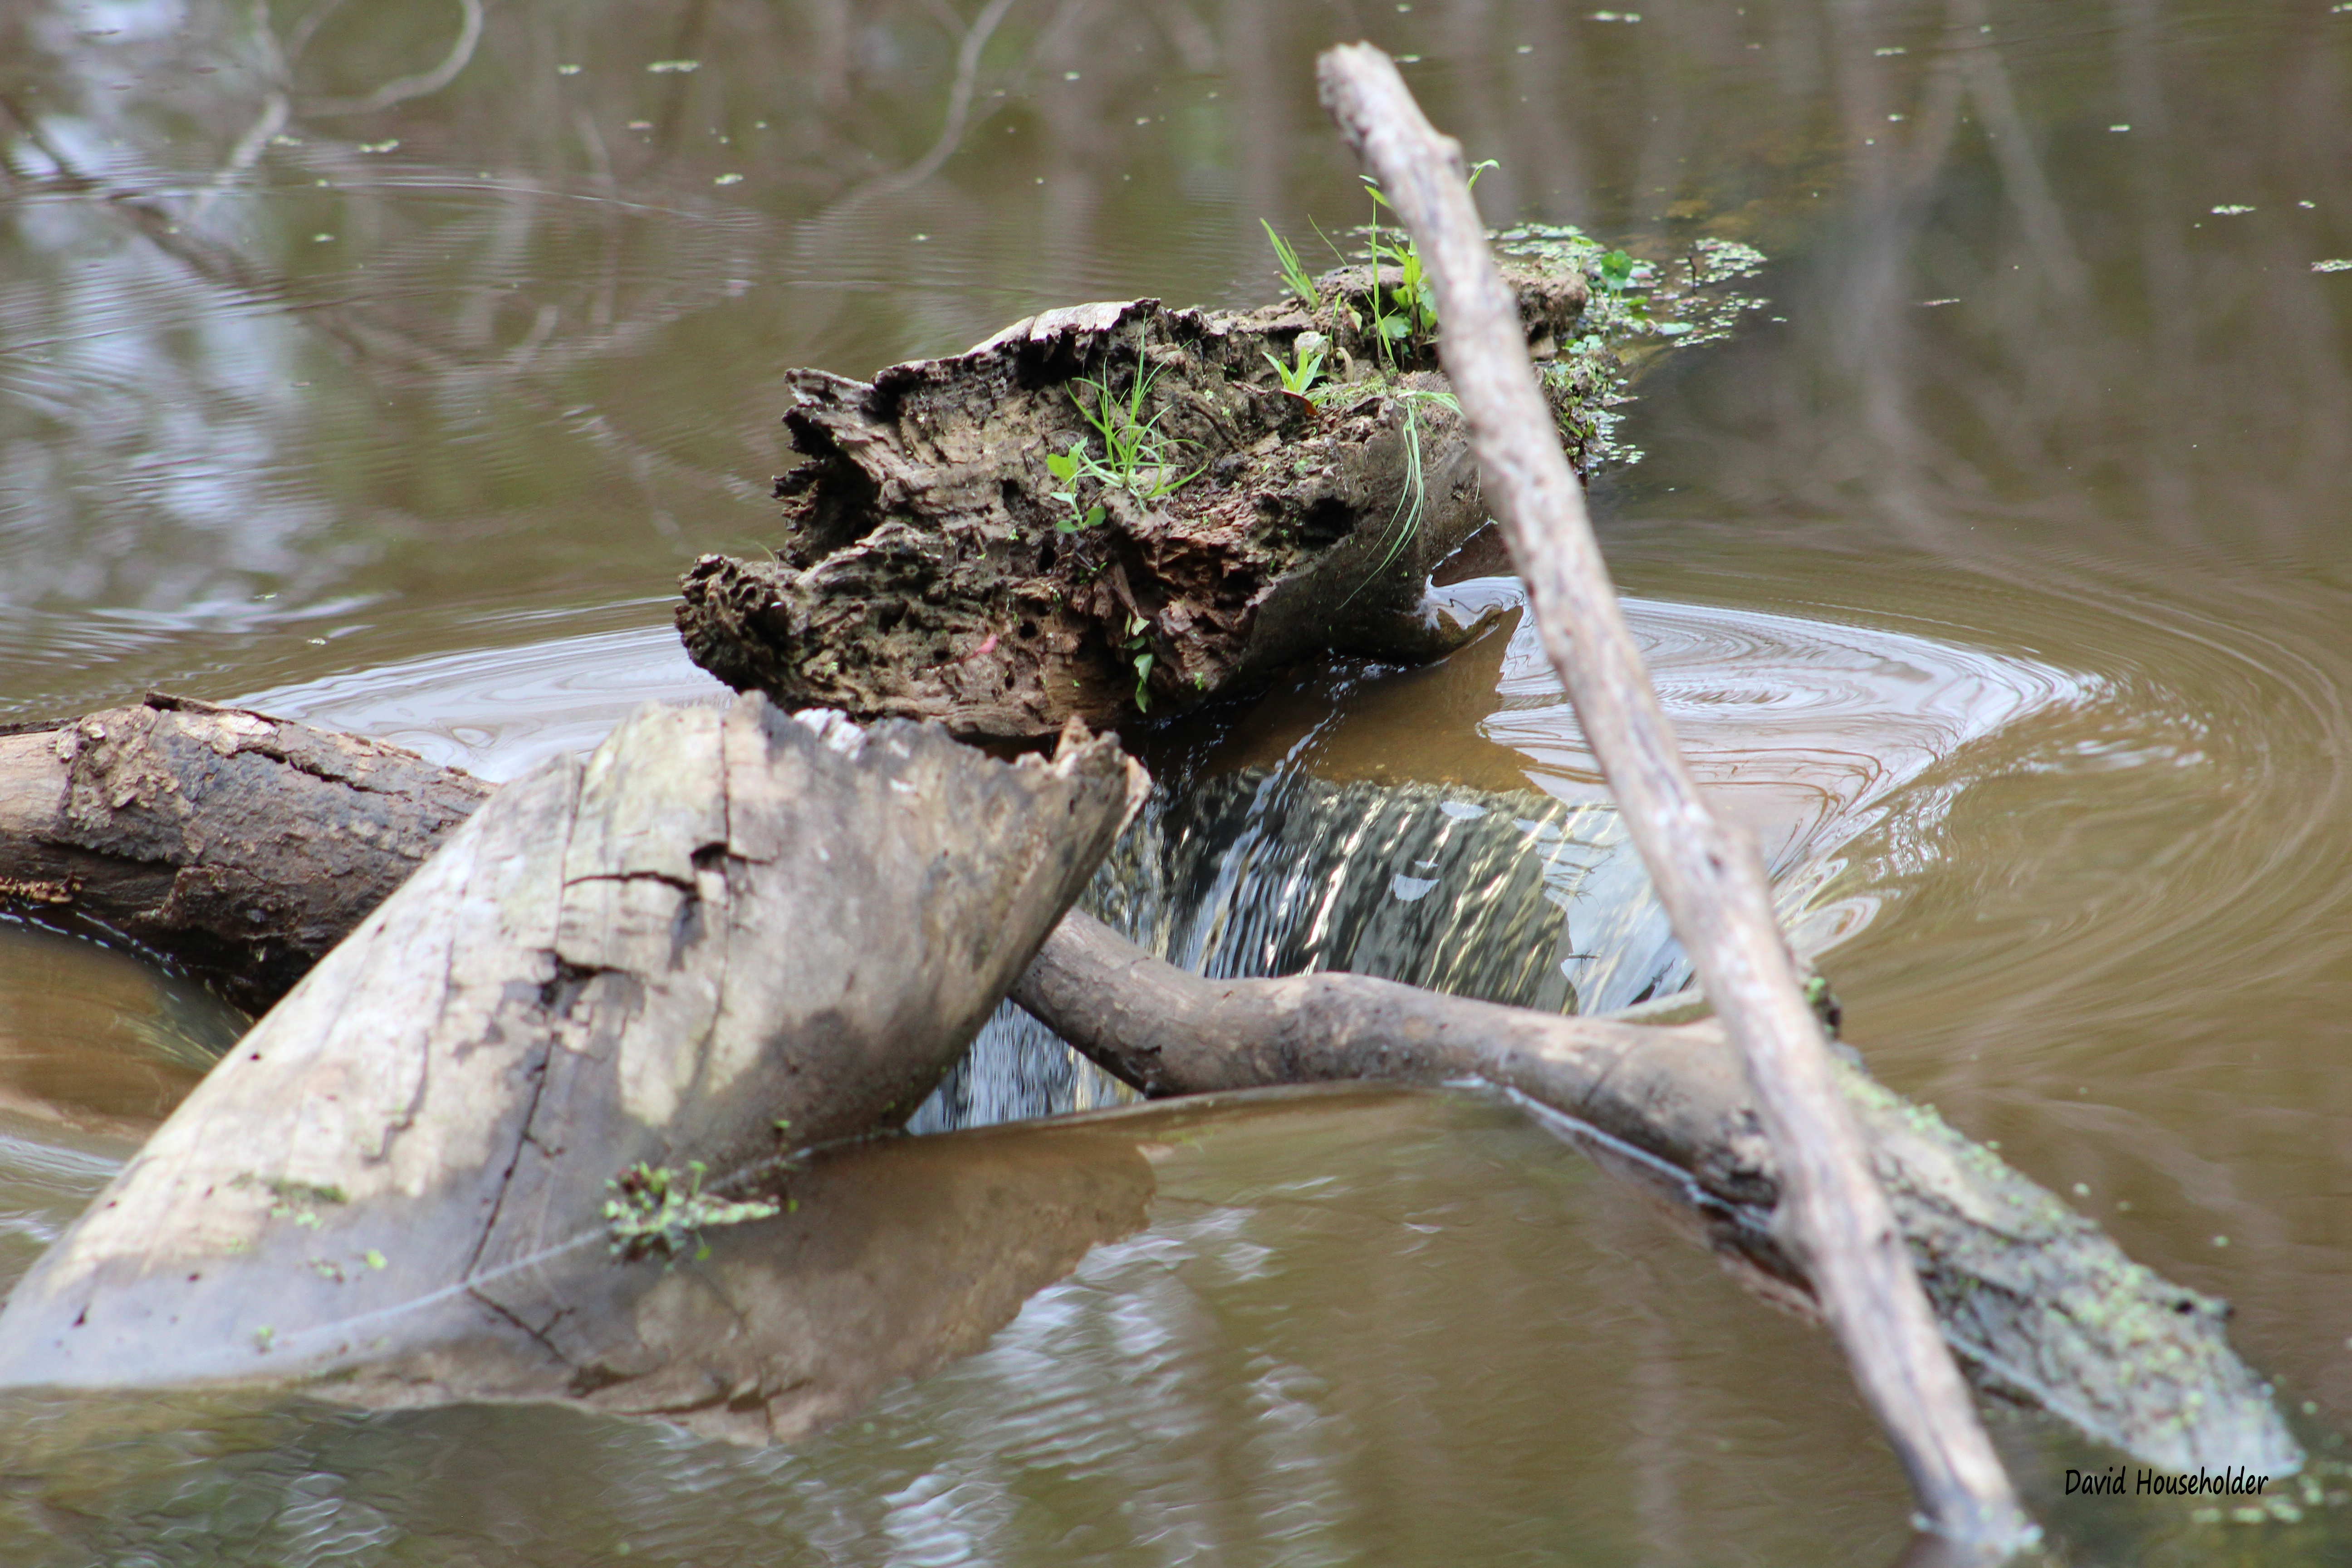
(2041, 1303)
(723, 936)
(1709, 877)
(933, 566)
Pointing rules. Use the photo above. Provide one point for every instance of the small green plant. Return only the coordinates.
(1294, 276)
(1307, 364)
(1410, 309)
(1414, 293)
(1070, 467)
(658, 1211)
(1615, 271)
(1415, 503)
(1137, 456)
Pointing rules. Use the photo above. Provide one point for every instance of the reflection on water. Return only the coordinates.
(2024, 403)
(95, 1048)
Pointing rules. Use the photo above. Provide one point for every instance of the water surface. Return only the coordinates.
(1996, 571)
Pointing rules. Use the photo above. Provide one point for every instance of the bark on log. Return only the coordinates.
(929, 569)
(723, 936)
(2035, 1296)
(235, 846)
(1711, 880)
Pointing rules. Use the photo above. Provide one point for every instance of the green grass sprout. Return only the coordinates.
(1307, 364)
(1294, 276)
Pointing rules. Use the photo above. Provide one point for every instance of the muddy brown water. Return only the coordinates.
(1996, 570)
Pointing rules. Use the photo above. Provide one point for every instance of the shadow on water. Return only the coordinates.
(376, 358)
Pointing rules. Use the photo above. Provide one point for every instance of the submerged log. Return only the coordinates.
(935, 566)
(722, 937)
(2040, 1303)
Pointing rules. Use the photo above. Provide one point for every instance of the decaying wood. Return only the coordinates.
(238, 846)
(2041, 1303)
(926, 570)
(723, 936)
(2034, 1295)
(1710, 878)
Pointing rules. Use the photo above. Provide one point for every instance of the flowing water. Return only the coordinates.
(382, 364)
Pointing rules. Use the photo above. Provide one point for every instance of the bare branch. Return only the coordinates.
(1709, 877)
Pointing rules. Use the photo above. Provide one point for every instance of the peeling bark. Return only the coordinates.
(928, 569)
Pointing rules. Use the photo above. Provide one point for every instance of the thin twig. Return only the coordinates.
(1710, 878)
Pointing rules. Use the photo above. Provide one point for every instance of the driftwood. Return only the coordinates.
(2041, 1303)
(1710, 878)
(722, 937)
(929, 568)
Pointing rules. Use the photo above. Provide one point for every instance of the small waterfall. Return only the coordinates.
(1515, 897)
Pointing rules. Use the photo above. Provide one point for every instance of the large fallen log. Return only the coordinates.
(1208, 525)
(2036, 1298)
(723, 936)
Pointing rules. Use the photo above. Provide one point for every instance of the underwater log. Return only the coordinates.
(877, 1261)
(2044, 1307)
(725, 936)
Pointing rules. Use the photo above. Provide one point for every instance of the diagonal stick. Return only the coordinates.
(1708, 876)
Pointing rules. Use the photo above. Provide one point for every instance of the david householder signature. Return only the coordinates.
(2158, 1483)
